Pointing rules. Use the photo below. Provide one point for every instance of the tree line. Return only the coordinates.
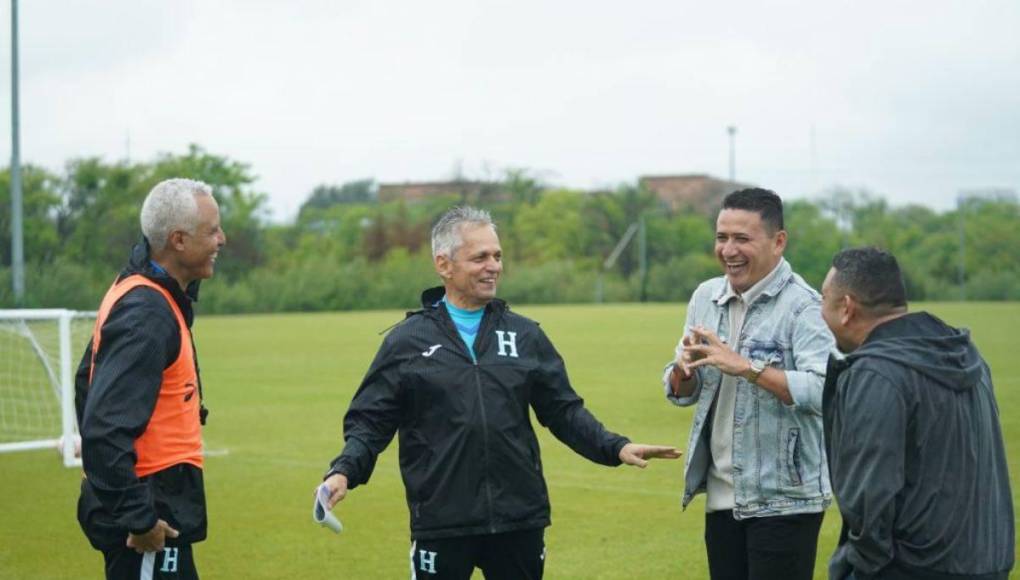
(347, 250)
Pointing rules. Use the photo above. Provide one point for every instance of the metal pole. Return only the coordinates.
(643, 258)
(961, 271)
(67, 415)
(611, 260)
(732, 131)
(17, 250)
(813, 161)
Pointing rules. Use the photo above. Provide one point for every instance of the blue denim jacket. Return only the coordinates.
(779, 464)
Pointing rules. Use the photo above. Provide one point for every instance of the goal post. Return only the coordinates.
(38, 350)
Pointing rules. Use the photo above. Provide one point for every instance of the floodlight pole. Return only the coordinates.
(732, 131)
(611, 260)
(961, 271)
(17, 249)
(643, 258)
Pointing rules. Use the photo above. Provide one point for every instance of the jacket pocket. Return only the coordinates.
(179, 494)
(533, 454)
(771, 352)
(100, 528)
(794, 467)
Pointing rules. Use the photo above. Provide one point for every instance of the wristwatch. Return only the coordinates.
(757, 368)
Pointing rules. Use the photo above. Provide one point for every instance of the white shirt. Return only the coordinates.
(720, 472)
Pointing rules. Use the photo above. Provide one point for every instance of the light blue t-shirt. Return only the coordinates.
(467, 323)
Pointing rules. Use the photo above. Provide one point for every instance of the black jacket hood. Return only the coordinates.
(140, 262)
(928, 345)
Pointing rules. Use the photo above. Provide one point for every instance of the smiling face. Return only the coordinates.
(197, 251)
(471, 274)
(745, 248)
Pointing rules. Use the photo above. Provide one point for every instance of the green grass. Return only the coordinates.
(278, 387)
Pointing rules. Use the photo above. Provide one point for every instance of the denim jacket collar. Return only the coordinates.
(778, 278)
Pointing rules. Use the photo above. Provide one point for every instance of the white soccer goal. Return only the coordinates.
(39, 350)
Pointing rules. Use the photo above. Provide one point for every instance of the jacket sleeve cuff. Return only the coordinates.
(681, 401)
(334, 470)
(342, 466)
(140, 526)
(623, 442)
(135, 507)
(806, 391)
(348, 462)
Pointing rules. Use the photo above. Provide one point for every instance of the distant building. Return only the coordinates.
(468, 191)
(700, 193)
(695, 192)
(992, 194)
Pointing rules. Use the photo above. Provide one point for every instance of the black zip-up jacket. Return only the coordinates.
(468, 453)
(139, 340)
(917, 459)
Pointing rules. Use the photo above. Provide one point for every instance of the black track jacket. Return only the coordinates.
(139, 340)
(468, 453)
(917, 459)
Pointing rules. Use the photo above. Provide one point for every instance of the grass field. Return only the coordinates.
(278, 387)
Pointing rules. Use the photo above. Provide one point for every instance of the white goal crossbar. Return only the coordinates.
(36, 377)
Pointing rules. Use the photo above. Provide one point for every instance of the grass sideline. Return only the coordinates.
(278, 386)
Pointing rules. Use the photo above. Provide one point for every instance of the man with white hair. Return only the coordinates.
(138, 394)
(455, 380)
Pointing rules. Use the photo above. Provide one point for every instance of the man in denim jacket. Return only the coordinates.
(753, 358)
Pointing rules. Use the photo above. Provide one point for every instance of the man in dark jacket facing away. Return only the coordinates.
(456, 380)
(912, 428)
(138, 394)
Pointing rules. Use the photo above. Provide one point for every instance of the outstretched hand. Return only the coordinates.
(638, 454)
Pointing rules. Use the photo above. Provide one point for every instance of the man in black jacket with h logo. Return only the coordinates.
(456, 380)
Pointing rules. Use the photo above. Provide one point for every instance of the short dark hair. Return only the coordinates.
(764, 202)
(872, 276)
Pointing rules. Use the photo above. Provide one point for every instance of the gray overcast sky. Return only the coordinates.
(914, 101)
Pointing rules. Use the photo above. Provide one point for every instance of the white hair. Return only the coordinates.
(446, 234)
(171, 206)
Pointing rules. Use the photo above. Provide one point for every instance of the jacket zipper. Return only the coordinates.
(479, 338)
(485, 449)
(447, 324)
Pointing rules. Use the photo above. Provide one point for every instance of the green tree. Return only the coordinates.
(811, 242)
(98, 221)
(243, 211)
(326, 196)
(40, 200)
(552, 229)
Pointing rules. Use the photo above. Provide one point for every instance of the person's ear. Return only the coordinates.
(780, 242)
(850, 307)
(444, 266)
(176, 240)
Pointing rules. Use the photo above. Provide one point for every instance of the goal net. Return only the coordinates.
(39, 352)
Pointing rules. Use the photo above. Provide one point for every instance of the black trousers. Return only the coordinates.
(176, 562)
(510, 556)
(777, 547)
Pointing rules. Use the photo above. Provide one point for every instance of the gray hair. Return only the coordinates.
(446, 234)
(171, 206)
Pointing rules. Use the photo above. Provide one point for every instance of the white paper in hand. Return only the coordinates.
(320, 512)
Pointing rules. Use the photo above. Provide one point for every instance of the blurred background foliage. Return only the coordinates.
(349, 250)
